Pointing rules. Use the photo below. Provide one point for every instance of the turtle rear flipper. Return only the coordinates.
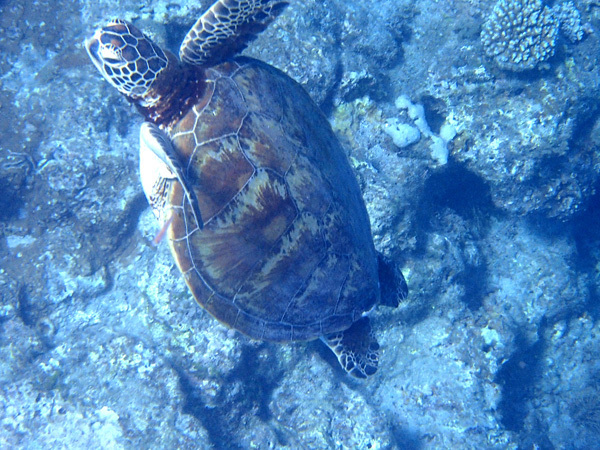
(391, 281)
(227, 28)
(356, 348)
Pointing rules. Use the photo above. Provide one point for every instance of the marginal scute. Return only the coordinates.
(183, 223)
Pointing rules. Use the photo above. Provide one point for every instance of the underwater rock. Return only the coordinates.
(101, 343)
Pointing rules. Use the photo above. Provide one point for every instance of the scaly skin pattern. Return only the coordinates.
(160, 86)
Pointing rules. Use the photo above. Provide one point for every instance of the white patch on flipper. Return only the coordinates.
(158, 162)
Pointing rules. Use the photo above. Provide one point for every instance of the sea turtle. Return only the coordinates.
(263, 214)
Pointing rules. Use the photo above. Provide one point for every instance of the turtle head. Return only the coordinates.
(127, 58)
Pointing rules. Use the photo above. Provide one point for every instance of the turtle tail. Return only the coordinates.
(227, 28)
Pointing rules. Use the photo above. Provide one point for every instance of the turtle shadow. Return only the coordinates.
(457, 204)
(518, 378)
(245, 390)
(402, 437)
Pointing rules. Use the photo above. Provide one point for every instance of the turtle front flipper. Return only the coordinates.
(158, 164)
(356, 348)
(227, 28)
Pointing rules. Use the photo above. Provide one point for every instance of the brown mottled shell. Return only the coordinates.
(286, 251)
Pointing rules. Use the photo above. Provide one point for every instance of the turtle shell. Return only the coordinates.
(286, 251)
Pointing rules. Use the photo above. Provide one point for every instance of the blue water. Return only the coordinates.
(480, 176)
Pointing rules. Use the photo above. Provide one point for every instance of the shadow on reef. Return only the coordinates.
(10, 201)
(518, 377)
(457, 204)
(328, 103)
(473, 279)
(459, 189)
(436, 112)
(405, 439)
(586, 232)
(245, 391)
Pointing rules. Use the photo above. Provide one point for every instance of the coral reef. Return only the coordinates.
(570, 21)
(520, 34)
